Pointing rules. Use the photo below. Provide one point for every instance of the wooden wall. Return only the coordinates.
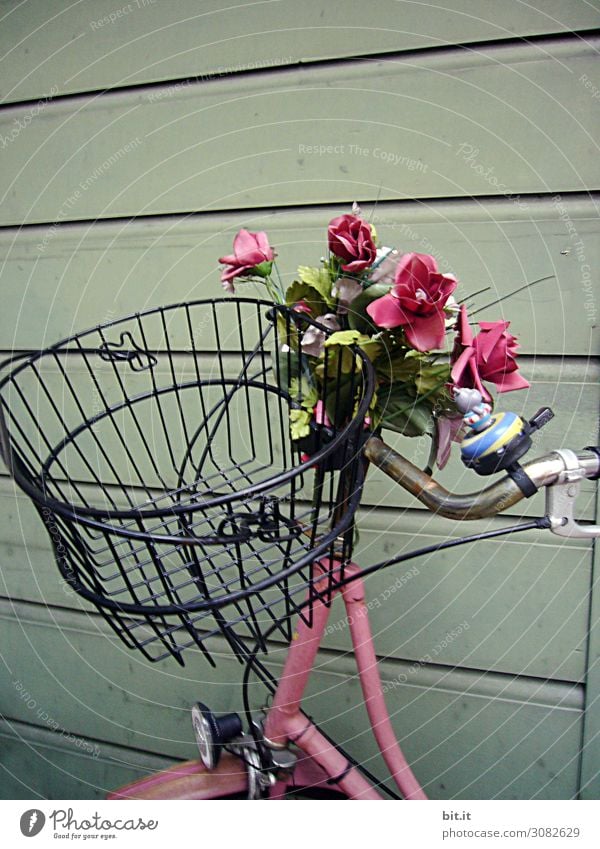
(135, 140)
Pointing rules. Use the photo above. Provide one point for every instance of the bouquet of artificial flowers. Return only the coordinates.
(402, 311)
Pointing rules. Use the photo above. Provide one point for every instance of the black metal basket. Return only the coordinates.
(157, 450)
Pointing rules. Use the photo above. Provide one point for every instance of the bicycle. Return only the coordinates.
(127, 439)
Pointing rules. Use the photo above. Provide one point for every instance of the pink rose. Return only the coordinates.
(351, 240)
(252, 254)
(416, 302)
(491, 356)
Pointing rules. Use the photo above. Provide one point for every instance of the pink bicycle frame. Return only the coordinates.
(320, 763)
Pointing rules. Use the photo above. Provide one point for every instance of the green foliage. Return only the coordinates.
(304, 396)
(431, 377)
(318, 279)
(300, 422)
(397, 363)
(299, 291)
(304, 392)
(400, 411)
(263, 269)
(343, 338)
(339, 394)
(358, 318)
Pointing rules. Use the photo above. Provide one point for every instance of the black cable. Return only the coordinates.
(536, 524)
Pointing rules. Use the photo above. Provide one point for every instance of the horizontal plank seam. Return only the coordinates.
(310, 64)
(572, 702)
(337, 654)
(14, 724)
(593, 195)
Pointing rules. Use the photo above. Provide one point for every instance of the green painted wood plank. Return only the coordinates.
(78, 276)
(511, 754)
(42, 764)
(392, 129)
(102, 271)
(469, 735)
(518, 606)
(525, 600)
(49, 46)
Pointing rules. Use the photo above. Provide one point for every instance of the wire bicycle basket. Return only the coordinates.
(157, 450)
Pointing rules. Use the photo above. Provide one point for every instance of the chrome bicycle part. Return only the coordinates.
(260, 775)
(213, 733)
(562, 495)
(265, 763)
(258, 780)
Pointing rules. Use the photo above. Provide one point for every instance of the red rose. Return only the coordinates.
(416, 302)
(252, 254)
(491, 356)
(351, 240)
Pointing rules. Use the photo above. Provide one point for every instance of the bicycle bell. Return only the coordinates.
(496, 442)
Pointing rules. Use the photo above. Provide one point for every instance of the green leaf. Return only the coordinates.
(300, 423)
(340, 361)
(358, 318)
(373, 412)
(403, 413)
(263, 269)
(319, 279)
(287, 332)
(304, 392)
(398, 365)
(298, 291)
(346, 337)
(287, 364)
(371, 347)
(339, 398)
(431, 377)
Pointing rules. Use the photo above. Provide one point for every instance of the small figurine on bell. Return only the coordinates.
(476, 412)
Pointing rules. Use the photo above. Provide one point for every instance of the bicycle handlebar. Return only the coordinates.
(561, 471)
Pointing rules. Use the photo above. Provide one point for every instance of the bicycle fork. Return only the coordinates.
(286, 723)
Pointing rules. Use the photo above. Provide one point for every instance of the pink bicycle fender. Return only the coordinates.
(189, 780)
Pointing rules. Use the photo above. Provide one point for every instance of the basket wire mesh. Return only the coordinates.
(157, 450)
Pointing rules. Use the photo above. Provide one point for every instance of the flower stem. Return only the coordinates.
(514, 292)
(279, 284)
(275, 296)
